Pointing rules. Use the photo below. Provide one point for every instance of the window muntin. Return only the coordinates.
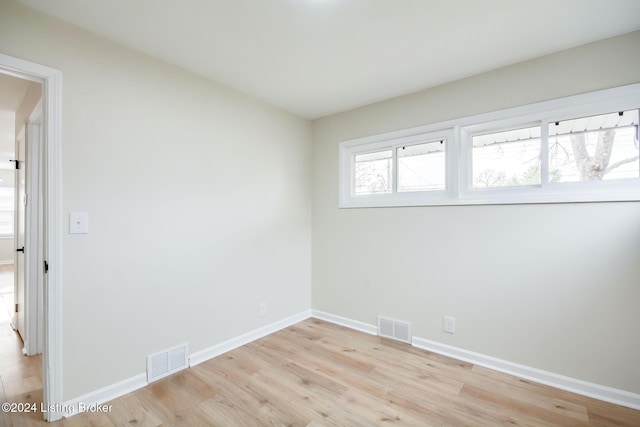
(507, 158)
(421, 167)
(594, 148)
(373, 172)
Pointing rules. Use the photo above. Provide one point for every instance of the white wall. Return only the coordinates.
(7, 250)
(7, 247)
(31, 98)
(7, 140)
(554, 287)
(198, 196)
(200, 210)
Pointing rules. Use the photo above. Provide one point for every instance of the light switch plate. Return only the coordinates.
(78, 222)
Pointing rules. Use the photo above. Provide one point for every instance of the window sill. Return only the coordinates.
(495, 197)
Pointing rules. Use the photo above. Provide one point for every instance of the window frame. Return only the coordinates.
(395, 198)
(458, 156)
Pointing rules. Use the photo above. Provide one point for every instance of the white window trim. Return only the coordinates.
(395, 198)
(458, 156)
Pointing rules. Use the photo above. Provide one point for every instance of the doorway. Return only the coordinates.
(11, 93)
(7, 241)
(47, 233)
(21, 315)
(6, 296)
(19, 100)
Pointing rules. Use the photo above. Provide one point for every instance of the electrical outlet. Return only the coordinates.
(449, 324)
(263, 309)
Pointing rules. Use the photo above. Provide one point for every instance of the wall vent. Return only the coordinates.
(166, 362)
(394, 329)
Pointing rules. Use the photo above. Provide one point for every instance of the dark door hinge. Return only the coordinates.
(17, 162)
(46, 267)
(16, 308)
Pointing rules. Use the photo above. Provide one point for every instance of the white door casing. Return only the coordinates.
(51, 232)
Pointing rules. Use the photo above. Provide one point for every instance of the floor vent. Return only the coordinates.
(394, 329)
(166, 362)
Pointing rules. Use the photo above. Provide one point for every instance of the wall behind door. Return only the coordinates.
(6, 243)
(7, 123)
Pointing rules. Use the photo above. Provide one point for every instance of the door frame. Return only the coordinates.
(51, 80)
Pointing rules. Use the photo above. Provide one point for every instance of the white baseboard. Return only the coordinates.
(607, 394)
(89, 401)
(92, 401)
(349, 323)
(6, 262)
(218, 349)
(597, 391)
(600, 392)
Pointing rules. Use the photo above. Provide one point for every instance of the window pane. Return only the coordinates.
(373, 172)
(421, 167)
(594, 148)
(507, 158)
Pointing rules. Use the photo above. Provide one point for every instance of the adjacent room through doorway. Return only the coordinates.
(6, 294)
(20, 375)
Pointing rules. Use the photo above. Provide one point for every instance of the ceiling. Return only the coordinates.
(12, 91)
(318, 57)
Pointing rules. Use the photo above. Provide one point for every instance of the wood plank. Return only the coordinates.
(319, 374)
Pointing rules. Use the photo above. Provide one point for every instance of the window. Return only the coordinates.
(507, 158)
(385, 173)
(578, 149)
(373, 172)
(595, 148)
(421, 167)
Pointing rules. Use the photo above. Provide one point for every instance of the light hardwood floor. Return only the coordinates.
(318, 374)
(20, 376)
